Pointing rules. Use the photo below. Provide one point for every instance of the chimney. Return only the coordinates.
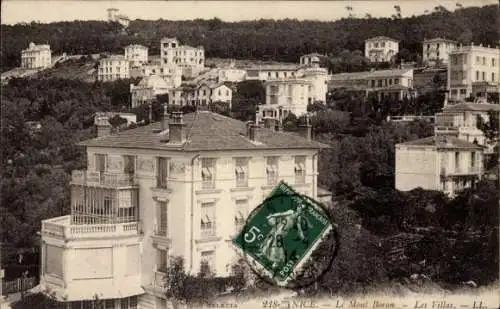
(164, 119)
(254, 132)
(305, 128)
(249, 125)
(270, 123)
(103, 125)
(176, 129)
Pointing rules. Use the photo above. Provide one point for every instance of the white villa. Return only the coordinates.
(136, 54)
(147, 89)
(113, 68)
(190, 59)
(437, 51)
(381, 49)
(36, 56)
(179, 187)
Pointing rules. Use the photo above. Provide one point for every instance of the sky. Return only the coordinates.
(45, 11)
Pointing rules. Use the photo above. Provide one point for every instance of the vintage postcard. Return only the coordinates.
(250, 154)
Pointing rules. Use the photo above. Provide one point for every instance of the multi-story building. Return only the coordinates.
(113, 68)
(397, 83)
(147, 89)
(136, 54)
(473, 72)
(285, 96)
(171, 74)
(461, 120)
(36, 56)
(442, 163)
(201, 95)
(190, 59)
(179, 187)
(310, 59)
(436, 51)
(381, 49)
(273, 72)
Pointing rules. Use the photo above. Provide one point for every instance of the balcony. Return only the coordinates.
(471, 170)
(208, 184)
(160, 280)
(272, 179)
(62, 227)
(161, 238)
(104, 179)
(241, 182)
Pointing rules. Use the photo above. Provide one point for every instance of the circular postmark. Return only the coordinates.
(289, 240)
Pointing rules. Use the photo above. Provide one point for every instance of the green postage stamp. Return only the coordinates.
(280, 234)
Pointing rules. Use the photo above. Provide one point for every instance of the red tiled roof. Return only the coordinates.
(205, 131)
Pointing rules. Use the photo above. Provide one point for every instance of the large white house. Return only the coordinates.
(147, 89)
(179, 187)
(190, 59)
(136, 54)
(395, 83)
(203, 94)
(473, 71)
(436, 51)
(439, 162)
(381, 49)
(113, 68)
(36, 56)
(284, 97)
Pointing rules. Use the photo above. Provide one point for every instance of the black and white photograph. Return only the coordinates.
(250, 154)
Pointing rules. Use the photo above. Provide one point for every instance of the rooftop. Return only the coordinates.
(469, 106)
(153, 81)
(276, 67)
(439, 40)
(380, 38)
(206, 131)
(442, 142)
(367, 74)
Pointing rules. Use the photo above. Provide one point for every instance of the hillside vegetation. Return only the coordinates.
(280, 40)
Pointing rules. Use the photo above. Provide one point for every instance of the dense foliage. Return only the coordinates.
(283, 40)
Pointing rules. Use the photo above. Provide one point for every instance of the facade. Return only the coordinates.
(309, 59)
(284, 97)
(436, 51)
(36, 56)
(136, 54)
(461, 120)
(201, 95)
(113, 68)
(179, 187)
(397, 83)
(442, 163)
(190, 59)
(381, 49)
(171, 74)
(232, 75)
(273, 72)
(473, 72)
(147, 89)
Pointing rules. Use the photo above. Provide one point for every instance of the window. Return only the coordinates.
(478, 60)
(129, 164)
(241, 172)
(241, 211)
(484, 60)
(161, 172)
(463, 91)
(484, 75)
(207, 222)
(492, 77)
(457, 160)
(300, 169)
(209, 258)
(208, 173)
(373, 83)
(272, 170)
(162, 260)
(379, 83)
(162, 220)
(129, 303)
(493, 62)
(396, 81)
(390, 81)
(100, 162)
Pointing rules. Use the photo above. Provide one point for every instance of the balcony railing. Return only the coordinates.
(471, 170)
(211, 232)
(61, 226)
(96, 178)
(208, 184)
(272, 179)
(160, 280)
(242, 183)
